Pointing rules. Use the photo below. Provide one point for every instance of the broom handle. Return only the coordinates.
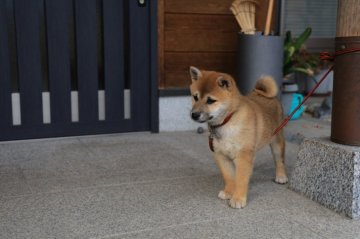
(268, 18)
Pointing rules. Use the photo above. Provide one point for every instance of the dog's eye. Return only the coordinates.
(196, 98)
(210, 101)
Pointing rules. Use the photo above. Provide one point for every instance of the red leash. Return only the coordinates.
(325, 56)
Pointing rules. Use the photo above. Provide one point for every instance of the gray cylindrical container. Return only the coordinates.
(258, 55)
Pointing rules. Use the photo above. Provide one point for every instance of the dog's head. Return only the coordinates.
(211, 95)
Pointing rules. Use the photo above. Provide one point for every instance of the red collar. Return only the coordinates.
(212, 130)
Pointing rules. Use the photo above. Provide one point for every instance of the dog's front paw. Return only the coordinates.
(237, 203)
(224, 195)
(281, 179)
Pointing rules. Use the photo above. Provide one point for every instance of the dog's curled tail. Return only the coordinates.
(266, 86)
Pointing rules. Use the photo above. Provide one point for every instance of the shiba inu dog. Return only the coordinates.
(239, 126)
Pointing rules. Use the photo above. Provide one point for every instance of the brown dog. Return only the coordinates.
(239, 126)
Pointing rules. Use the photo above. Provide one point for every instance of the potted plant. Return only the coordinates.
(294, 62)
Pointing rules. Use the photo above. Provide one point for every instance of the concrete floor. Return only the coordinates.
(144, 185)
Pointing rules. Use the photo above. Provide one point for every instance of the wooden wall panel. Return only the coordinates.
(200, 33)
(177, 65)
(175, 21)
(203, 40)
(198, 6)
(200, 40)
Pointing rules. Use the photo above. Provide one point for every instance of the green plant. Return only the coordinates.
(296, 59)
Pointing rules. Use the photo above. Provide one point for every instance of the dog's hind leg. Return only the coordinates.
(278, 150)
(228, 172)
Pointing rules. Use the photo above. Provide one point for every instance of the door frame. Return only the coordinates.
(154, 93)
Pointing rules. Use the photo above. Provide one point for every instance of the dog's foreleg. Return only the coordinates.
(278, 151)
(243, 171)
(228, 172)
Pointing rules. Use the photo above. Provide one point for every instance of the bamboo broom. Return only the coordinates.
(244, 12)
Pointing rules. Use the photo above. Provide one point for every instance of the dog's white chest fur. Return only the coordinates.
(228, 141)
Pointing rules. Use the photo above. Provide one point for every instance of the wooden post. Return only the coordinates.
(348, 18)
(345, 124)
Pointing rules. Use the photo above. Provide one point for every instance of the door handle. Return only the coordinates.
(141, 3)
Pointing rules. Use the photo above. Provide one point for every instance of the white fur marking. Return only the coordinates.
(223, 195)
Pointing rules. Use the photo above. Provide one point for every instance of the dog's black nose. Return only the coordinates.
(195, 115)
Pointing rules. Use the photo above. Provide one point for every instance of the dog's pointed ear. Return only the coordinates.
(224, 83)
(195, 73)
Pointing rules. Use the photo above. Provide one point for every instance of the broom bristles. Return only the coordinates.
(244, 12)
